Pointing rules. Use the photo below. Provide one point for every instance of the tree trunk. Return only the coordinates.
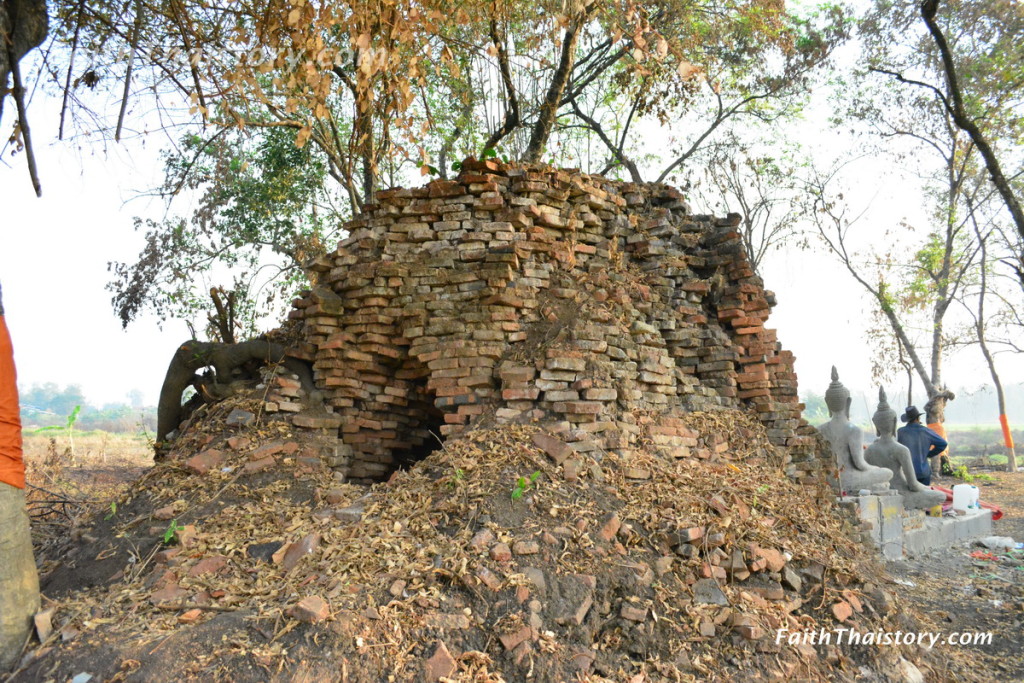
(224, 358)
(364, 143)
(512, 119)
(1011, 455)
(19, 582)
(25, 21)
(979, 327)
(549, 109)
(935, 408)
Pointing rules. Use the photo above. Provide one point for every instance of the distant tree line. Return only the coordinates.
(47, 404)
(978, 406)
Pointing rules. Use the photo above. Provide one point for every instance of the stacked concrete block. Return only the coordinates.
(527, 294)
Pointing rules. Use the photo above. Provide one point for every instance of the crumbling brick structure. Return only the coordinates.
(604, 310)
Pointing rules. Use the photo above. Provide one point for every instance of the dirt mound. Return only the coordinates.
(495, 558)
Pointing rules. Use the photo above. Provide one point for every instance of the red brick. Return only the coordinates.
(441, 664)
(209, 565)
(610, 525)
(205, 461)
(500, 552)
(556, 449)
(310, 609)
(842, 611)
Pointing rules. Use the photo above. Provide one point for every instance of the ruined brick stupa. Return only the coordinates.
(598, 309)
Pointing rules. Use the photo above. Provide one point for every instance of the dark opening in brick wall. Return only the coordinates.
(394, 420)
(424, 435)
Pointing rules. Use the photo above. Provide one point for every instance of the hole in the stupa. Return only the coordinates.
(422, 434)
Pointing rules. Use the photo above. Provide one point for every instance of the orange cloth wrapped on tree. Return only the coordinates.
(940, 429)
(12, 467)
(1007, 436)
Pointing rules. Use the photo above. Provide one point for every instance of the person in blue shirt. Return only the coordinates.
(922, 442)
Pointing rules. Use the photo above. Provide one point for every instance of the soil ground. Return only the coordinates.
(964, 594)
(952, 591)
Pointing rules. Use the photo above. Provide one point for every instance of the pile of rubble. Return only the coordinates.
(501, 556)
(586, 458)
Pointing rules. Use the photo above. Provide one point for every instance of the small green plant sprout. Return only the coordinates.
(67, 429)
(457, 478)
(760, 490)
(523, 484)
(172, 530)
(113, 510)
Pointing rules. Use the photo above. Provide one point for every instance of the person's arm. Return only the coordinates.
(938, 444)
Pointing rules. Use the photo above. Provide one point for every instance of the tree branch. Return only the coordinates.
(512, 119)
(136, 29)
(26, 136)
(956, 109)
(71, 64)
(838, 246)
(612, 147)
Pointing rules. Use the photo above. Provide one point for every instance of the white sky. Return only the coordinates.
(54, 253)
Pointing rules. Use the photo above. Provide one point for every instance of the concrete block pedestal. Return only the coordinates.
(896, 530)
(938, 532)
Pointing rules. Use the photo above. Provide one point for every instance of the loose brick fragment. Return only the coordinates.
(165, 513)
(525, 548)
(204, 462)
(556, 449)
(310, 609)
(209, 565)
(610, 524)
(842, 610)
(513, 639)
(294, 552)
(488, 578)
(774, 559)
(482, 539)
(500, 552)
(633, 613)
(441, 664)
(190, 617)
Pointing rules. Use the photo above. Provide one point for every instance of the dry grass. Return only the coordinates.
(91, 449)
(68, 477)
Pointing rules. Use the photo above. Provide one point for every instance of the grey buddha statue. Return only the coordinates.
(889, 453)
(846, 439)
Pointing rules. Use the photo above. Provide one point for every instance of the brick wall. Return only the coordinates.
(602, 309)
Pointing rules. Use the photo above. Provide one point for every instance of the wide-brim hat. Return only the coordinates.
(911, 413)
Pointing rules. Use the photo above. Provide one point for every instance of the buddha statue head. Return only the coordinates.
(837, 397)
(884, 417)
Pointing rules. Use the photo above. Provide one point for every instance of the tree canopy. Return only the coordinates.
(372, 91)
(284, 117)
